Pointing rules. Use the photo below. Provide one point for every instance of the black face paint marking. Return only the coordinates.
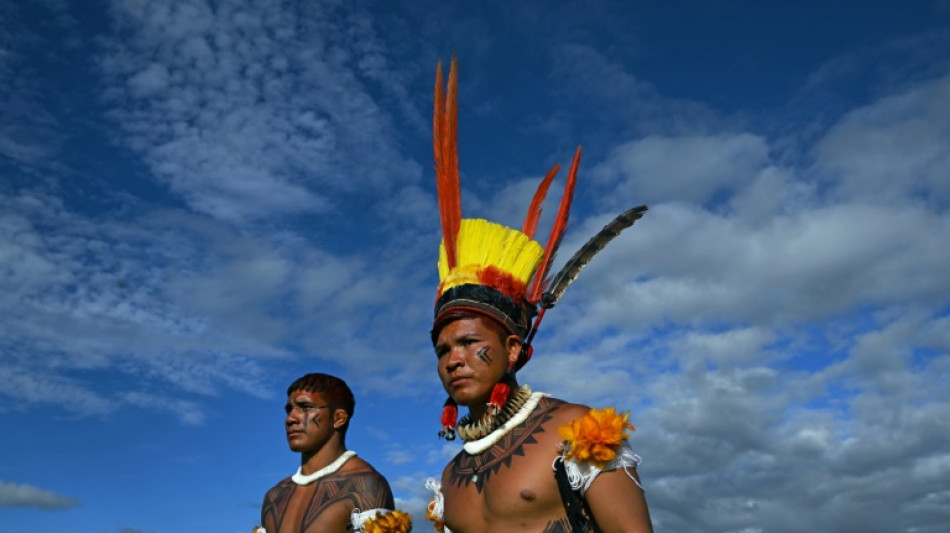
(483, 355)
(311, 417)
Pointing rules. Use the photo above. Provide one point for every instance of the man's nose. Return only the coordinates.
(291, 418)
(454, 359)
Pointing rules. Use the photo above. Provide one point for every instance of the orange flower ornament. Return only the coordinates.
(392, 522)
(595, 436)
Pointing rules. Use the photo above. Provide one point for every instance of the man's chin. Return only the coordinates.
(468, 400)
(296, 448)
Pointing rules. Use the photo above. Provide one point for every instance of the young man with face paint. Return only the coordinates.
(333, 491)
(530, 462)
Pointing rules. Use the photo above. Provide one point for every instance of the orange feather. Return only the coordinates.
(437, 104)
(534, 210)
(445, 149)
(557, 231)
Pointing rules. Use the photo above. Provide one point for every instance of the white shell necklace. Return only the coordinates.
(475, 447)
(301, 479)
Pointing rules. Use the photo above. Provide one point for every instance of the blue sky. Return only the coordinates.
(200, 202)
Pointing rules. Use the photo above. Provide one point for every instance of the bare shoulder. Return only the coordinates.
(566, 412)
(360, 468)
(275, 503)
(281, 487)
(366, 487)
(358, 464)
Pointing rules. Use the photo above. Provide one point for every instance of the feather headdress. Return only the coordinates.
(491, 269)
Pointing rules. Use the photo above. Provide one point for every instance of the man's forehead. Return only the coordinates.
(299, 396)
(463, 326)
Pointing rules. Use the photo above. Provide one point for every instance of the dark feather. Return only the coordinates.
(573, 267)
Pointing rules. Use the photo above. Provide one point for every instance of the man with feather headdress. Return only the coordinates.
(530, 462)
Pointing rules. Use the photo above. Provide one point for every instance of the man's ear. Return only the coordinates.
(340, 418)
(513, 345)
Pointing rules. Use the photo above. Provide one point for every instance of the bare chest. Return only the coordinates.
(310, 509)
(509, 487)
(521, 489)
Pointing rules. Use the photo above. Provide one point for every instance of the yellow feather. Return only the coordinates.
(481, 244)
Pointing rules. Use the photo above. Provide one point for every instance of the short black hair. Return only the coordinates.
(334, 390)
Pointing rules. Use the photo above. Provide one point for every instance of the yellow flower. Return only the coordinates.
(392, 522)
(595, 436)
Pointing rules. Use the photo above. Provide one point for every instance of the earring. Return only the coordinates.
(450, 414)
(501, 391)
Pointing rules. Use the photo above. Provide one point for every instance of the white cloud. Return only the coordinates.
(695, 169)
(190, 413)
(22, 495)
(400, 456)
(252, 111)
(417, 499)
(685, 264)
(727, 348)
(101, 294)
(896, 149)
(28, 384)
(189, 305)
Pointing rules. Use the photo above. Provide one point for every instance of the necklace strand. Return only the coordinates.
(301, 479)
(477, 446)
(473, 430)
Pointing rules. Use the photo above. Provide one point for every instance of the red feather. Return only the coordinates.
(557, 231)
(445, 149)
(450, 413)
(499, 396)
(534, 211)
(502, 282)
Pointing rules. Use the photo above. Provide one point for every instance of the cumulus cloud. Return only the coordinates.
(687, 264)
(695, 169)
(894, 150)
(23, 495)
